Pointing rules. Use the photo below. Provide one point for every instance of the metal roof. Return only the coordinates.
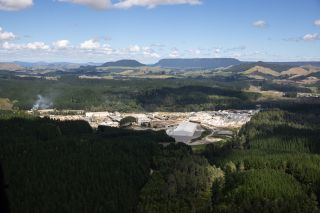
(185, 129)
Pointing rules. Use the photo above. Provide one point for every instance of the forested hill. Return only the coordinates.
(298, 63)
(55, 166)
(279, 67)
(123, 63)
(271, 165)
(200, 63)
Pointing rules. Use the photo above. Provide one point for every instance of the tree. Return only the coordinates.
(230, 167)
(127, 121)
(4, 202)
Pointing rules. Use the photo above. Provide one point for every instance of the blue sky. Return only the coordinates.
(147, 30)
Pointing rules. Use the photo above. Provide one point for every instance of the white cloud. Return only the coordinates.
(11, 46)
(174, 53)
(137, 51)
(311, 37)
(96, 4)
(90, 45)
(260, 24)
(15, 4)
(90, 48)
(6, 35)
(107, 49)
(317, 22)
(61, 44)
(217, 50)
(195, 51)
(134, 48)
(38, 45)
(149, 52)
(152, 55)
(124, 4)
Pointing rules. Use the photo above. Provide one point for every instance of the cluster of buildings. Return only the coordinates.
(183, 126)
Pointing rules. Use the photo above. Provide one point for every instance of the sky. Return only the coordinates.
(148, 30)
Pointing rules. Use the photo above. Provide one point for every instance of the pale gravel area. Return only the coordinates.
(222, 120)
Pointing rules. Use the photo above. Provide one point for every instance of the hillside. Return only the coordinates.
(295, 71)
(298, 63)
(261, 71)
(123, 63)
(311, 68)
(266, 70)
(248, 65)
(41, 65)
(202, 63)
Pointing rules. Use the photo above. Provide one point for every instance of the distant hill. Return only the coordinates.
(123, 63)
(194, 63)
(30, 64)
(311, 68)
(92, 64)
(296, 71)
(47, 65)
(249, 65)
(267, 70)
(298, 63)
(259, 72)
(10, 67)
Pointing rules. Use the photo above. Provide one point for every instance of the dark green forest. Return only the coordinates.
(54, 166)
(143, 95)
(271, 165)
(69, 92)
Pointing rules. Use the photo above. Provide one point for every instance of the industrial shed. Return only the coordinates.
(185, 132)
(185, 129)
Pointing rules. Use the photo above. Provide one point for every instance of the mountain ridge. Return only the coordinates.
(194, 63)
(123, 63)
(228, 64)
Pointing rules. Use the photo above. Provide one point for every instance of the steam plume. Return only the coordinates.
(42, 103)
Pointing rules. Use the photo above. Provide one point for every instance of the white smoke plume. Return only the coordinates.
(42, 103)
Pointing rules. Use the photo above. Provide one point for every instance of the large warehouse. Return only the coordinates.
(185, 132)
(185, 129)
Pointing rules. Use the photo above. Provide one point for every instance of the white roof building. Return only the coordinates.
(97, 114)
(185, 129)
